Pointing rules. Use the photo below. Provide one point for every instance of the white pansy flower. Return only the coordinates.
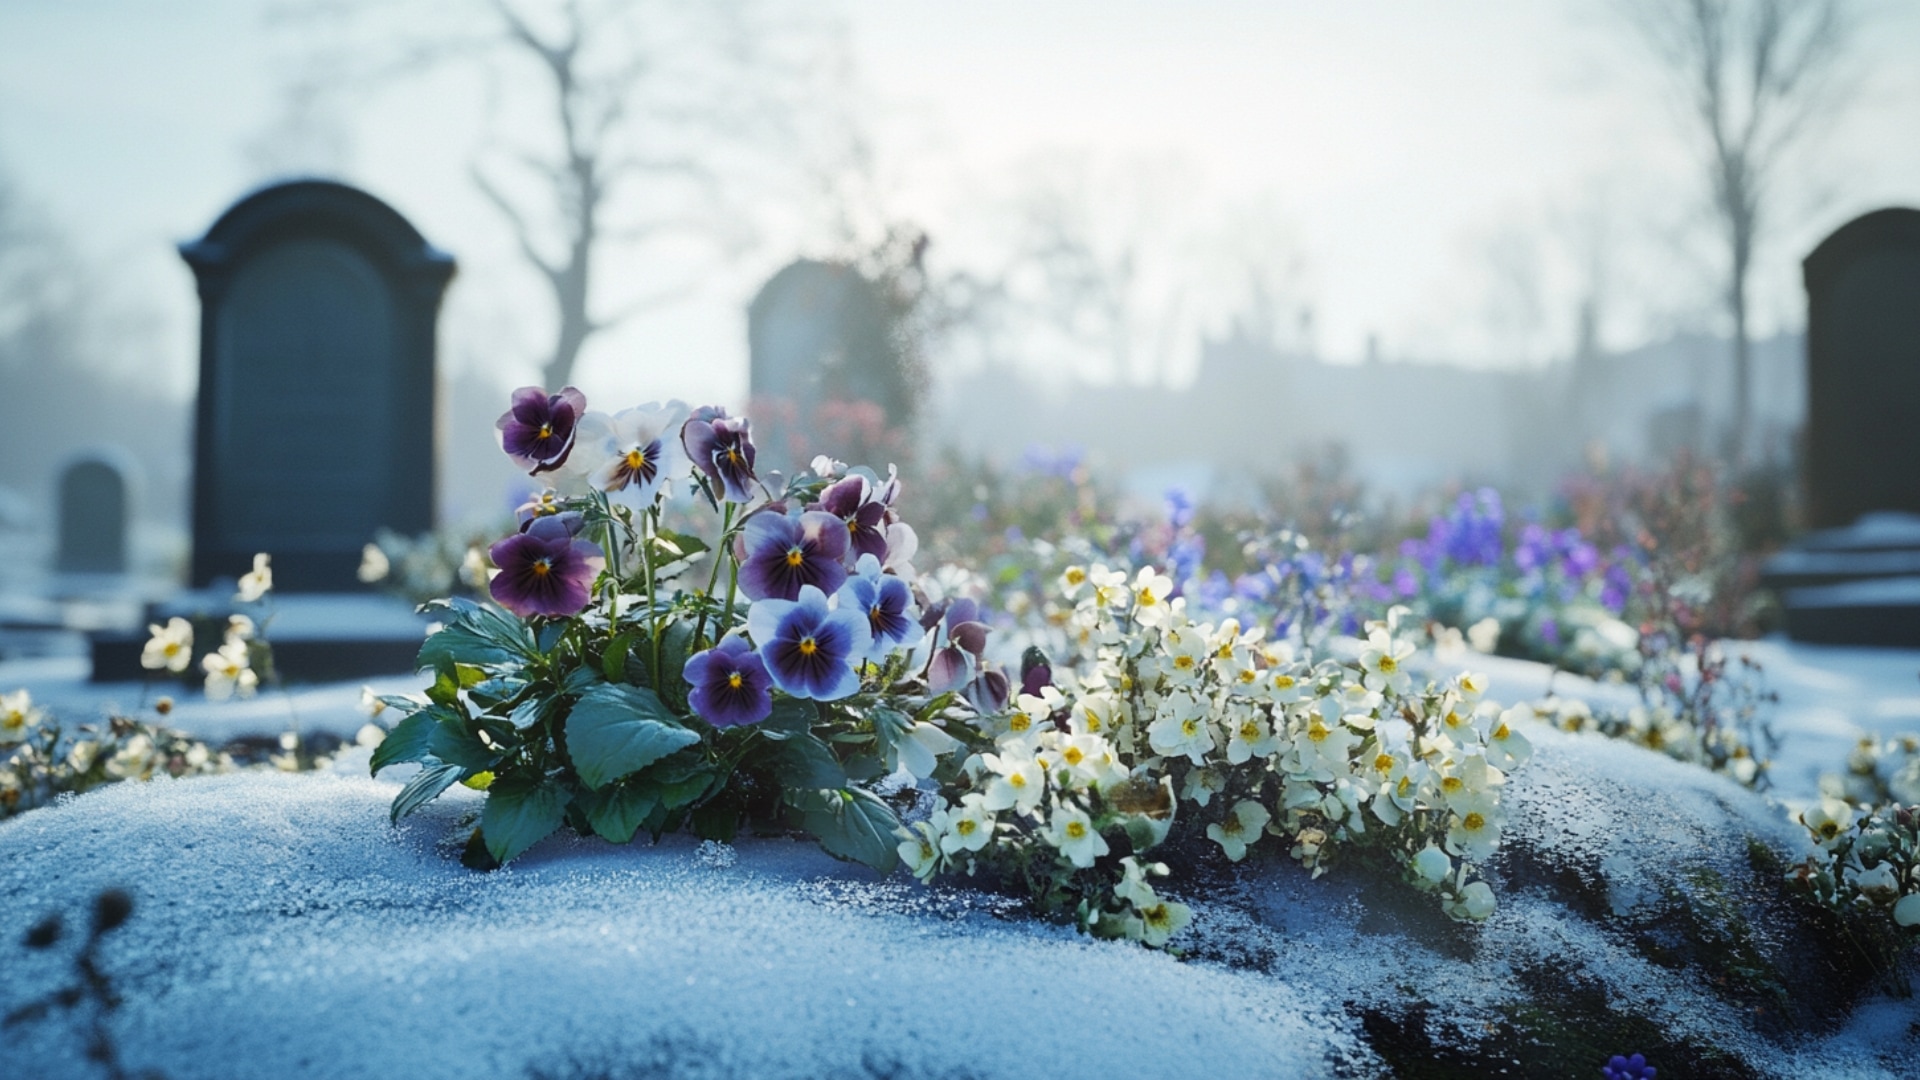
(1505, 745)
(374, 564)
(1384, 661)
(1107, 589)
(1180, 727)
(1018, 783)
(1151, 590)
(239, 628)
(18, 717)
(257, 582)
(1484, 636)
(228, 672)
(1828, 820)
(1096, 714)
(1250, 736)
(1241, 827)
(168, 647)
(1072, 832)
(1432, 865)
(1474, 832)
(1471, 904)
(920, 851)
(1186, 652)
(1162, 920)
(634, 454)
(918, 749)
(1072, 580)
(81, 756)
(1879, 883)
(969, 827)
(1202, 785)
(134, 759)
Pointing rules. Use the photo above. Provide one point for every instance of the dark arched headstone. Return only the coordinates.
(93, 519)
(316, 419)
(1863, 369)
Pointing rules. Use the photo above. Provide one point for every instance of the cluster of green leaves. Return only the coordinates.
(563, 722)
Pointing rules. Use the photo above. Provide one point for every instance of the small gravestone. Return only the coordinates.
(1863, 369)
(1856, 580)
(822, 338)
(93, 518)
(316, 419)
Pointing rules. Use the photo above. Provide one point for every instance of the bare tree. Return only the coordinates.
(642, 109)
(1753, 74)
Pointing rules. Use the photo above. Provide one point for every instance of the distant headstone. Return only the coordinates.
(93, 518)
(821, 337)
(1863, 369)
(316, 417)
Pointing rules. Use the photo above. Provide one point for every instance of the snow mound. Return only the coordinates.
(281, 923)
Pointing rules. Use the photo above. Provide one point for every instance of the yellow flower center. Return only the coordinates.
(794, 557)
(1283, 682)
(1829, 829)
(966, 827)
(1500, 733)
(734, 680)
(1019, 722)
(1383, 764)
(546, 431)
(1232, 826)
(542, 567)
(1147, 598)
(1318, 732)
(1184, 663)
(808, 646)
(1075, 575)
(1454, 719)
(1473, 822)
(1017, 781)
(1189, 728)
(1247, 675)
(636, 460)
(1388, 665)
(1157, 916)
(1073, 755)
(1249, 730)
(1093, 719)
(1076, 830)
(733, 457)
(1452, 785)
(1405, 787)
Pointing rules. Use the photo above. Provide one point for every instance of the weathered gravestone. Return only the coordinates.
(92, 518)
(315, 425)
(821, 337)
(1863, 369)
(1857, 579)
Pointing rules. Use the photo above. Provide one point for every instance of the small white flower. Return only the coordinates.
(474, 569)
(920, 851)
(1907, 911)
(134, 759)
(1828, 821)
(374, 564)
(370, 735)
(1072, 832)
(169, 647)
(1202, 785)
(1133, 887)
(257, 582)
(1384, 661)
(918, 749)
(1241, 827)
(239, 628)
(634, 454)
(1505, 745)
(1162, 920)
(1472, 904)
(1150, 592)
(1475, 832)
(1484, 635)
(970, 827)
(81, 755)
(824, 467)
(1250, 736)
(17, 717)
(1432, 865)
(1072, 580)
(1096, 714)
(228, 672)
(370, 703)
(1018, 784)
(1880, 883)
(1180, 727)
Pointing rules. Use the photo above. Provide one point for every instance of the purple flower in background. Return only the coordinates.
(537, 430)
(1627, 1068)
(784, 554)
(1179, 507)
(1550, 631)
(730, 684)
(1581, 558)
(1405, 584)
(545, 570)
(853, 500)
(888, 604)
(722, 448)
(987, 693)
(810, 649)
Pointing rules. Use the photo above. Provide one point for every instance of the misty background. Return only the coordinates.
(1443, 237)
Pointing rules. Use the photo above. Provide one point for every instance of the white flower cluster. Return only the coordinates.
(1257, 741)
(38, 763)
(1869, 860)
(1657, 727)
(229, 670)
(1879, 772)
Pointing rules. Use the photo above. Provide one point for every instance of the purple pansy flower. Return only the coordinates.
(730, 684)
(544, 569)
(987, 693)
(1627, 1068)
(537, 430)
(809, 648)
(852, 500)
(960, 647)
(722, 448)
(783, 554)
(888, 604)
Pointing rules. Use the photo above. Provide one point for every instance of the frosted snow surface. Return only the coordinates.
(284, 929)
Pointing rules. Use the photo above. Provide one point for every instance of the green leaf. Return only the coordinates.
(579, 681)
(445, 689)
(615, 730)
(615, 812)
(680, 782)
(461, 644)
(614, 663)
(790, 717)
(715, 821)
(854, 824)
(803, 761)
(423, 789)
(455, 742)
(890, 726)
(406, 742)
(519, 815)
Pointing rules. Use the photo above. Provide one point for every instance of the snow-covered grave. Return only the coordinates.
(283, 927)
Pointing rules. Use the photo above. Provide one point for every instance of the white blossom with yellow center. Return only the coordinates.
(1181, 727)
(18, 717)
(969, 826)
(1071, 831)
(1242, 826)
(1019, 783)
(168, 647)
